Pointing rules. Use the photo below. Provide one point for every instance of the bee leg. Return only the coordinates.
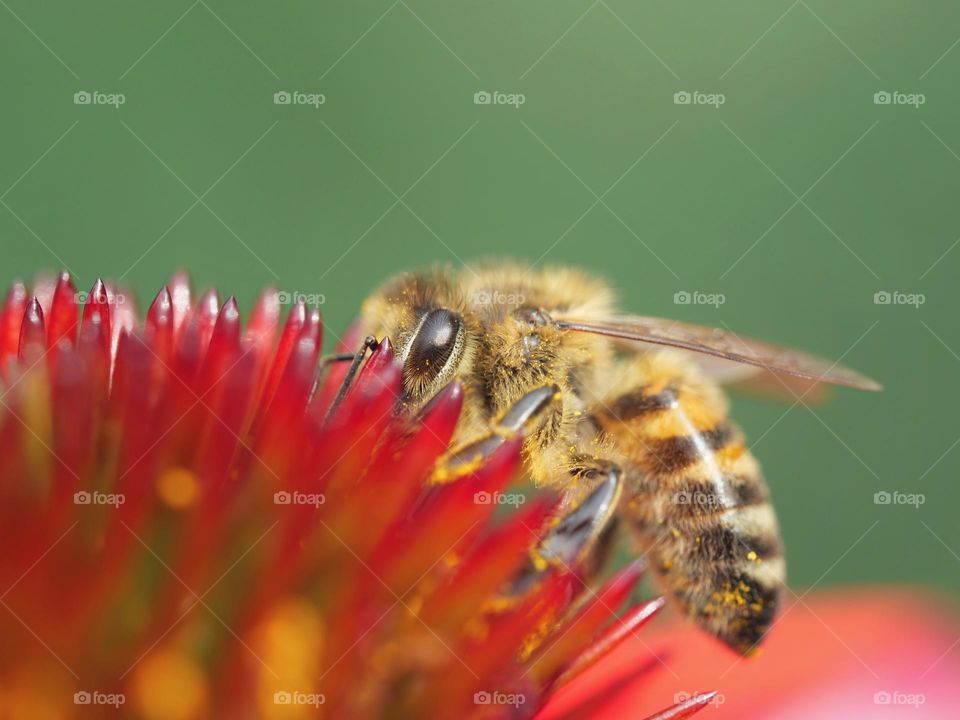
(581, 538)
(517, 420)
(335, 358)
(574, 535)
(601, 549)
(369, 343)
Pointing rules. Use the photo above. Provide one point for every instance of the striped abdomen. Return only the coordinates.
(698, 500)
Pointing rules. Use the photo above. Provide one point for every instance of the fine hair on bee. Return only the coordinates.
(618, 416)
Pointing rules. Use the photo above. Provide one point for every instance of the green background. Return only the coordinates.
(306, 198)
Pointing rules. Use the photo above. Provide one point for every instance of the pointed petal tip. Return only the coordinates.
(33, 312)
(268, 297)
(209, 297)
(32, 330)
(298, 312)
(381, 355)
(97, 295)
(230, 308)
(449, 395)
(625, 578)
(635, 569)
(163, 298)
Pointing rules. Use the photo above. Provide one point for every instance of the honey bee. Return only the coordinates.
(617, 416)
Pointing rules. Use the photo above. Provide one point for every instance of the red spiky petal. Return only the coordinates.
(186, 520)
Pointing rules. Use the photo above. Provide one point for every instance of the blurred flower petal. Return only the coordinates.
(855, 653)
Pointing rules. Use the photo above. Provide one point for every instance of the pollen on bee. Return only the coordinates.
(752, 556)
(731, 597)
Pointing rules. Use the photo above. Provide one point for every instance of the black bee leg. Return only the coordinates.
(369, 343)
(580, 539)
(573, 535)
(517, 420)
(335, 358)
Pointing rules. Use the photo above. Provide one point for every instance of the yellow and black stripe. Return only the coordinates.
(698, 501)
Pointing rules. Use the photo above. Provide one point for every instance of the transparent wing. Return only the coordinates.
(759, 382)
(722, 344)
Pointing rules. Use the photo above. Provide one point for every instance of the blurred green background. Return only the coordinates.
(797, 199)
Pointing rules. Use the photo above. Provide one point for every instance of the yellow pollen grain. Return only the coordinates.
(178, 487)
(444, 474)
(752, 556)
(729, 598)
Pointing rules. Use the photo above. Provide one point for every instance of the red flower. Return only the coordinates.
(194, 527)
(849, 654)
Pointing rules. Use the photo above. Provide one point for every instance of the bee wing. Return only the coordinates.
(723, 344)
(760, 382)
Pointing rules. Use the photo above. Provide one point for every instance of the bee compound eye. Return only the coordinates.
(434, 343)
